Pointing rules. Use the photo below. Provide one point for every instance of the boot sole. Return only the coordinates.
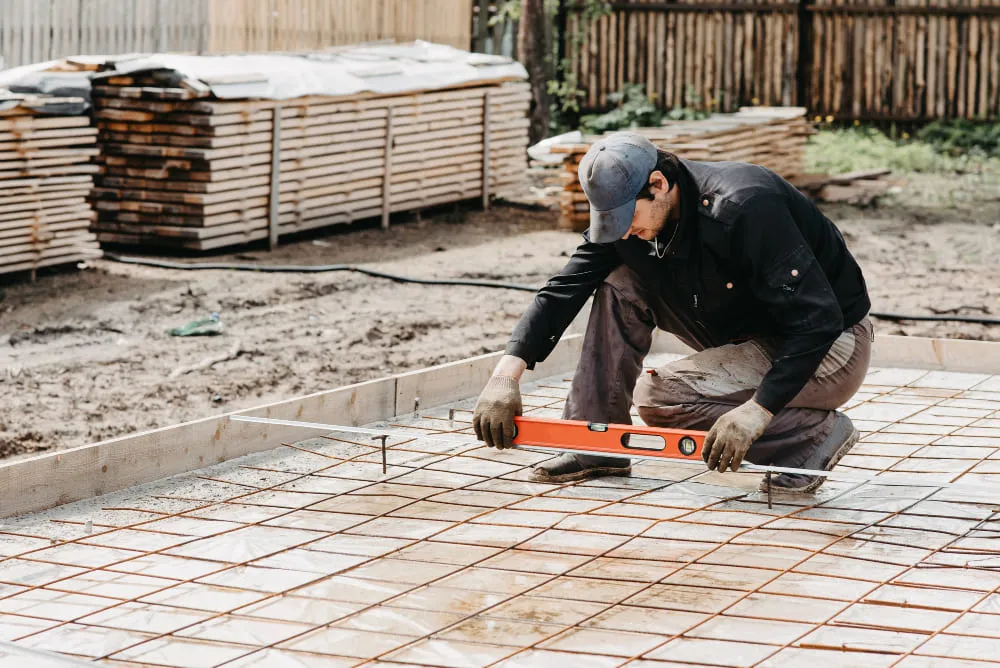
(851, 441)
(602, 472)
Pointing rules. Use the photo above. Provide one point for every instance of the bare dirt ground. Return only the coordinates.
(84, 355)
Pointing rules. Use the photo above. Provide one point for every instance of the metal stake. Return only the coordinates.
(383, 437)
(767, 482)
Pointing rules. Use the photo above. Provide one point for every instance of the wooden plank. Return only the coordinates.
(930, 102)
(623, 51)
(670, 19)
(995, 70)
(740, 88)
(43, 482)
(608, 64)
(750, 61)
(986, 65)
(943, 101)
(953, 46)
(482, 25)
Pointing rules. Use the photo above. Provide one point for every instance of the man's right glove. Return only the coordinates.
(493, 418)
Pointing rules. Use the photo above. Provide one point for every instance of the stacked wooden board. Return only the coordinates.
(185, 169)
(774, 137)
(47, 149)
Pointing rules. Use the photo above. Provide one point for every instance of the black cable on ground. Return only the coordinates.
(311, 269)
(937, 318)
(325, 268)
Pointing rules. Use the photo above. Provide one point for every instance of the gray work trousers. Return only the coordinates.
(693, 392)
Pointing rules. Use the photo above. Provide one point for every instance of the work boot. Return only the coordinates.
(570, 467)
(838, 443)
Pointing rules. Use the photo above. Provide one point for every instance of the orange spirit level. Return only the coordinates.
(608, 439)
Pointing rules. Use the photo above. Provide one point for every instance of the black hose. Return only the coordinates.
(937, 318)
(311, 269)
(324, 268)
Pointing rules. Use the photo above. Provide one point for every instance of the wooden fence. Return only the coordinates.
(270, 25)
(34, 31)
(39, 30)
(870, 59)
(903, 59)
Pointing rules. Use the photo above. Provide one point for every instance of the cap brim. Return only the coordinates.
(609, 226)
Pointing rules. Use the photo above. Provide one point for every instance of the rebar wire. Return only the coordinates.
(413, 445)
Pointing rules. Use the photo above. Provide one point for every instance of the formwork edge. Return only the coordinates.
(42, 482)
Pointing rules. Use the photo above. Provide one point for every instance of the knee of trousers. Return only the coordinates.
(624, 280)
(623, 284)
(660, 390)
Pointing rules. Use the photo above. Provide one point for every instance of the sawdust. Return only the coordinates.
(84, 355)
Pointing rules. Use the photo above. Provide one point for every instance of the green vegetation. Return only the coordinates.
(634, 109)
(961, 137)
(937, 148)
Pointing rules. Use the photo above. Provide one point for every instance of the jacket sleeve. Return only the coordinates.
(791, 285)
(560, 300)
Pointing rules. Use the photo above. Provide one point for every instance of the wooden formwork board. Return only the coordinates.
(48, 480)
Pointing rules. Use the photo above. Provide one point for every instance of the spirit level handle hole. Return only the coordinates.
(643, 442)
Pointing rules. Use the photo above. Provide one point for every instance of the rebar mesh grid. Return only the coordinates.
(309, 556)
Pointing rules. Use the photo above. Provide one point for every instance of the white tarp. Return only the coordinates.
(382, 69)
(350, 70)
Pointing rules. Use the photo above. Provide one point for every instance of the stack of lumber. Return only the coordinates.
(861, 188)
(46, 172)
(183, 168)
(774, 137)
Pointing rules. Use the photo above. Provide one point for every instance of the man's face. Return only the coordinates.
(651, 214)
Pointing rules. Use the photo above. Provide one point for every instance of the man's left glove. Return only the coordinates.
(493, 417)
(732, 434)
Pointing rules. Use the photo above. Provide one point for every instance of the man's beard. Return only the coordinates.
(660, 244)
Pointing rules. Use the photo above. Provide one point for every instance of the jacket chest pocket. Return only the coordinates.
(722, 289)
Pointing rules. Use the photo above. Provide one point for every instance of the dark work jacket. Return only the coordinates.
(753, 258)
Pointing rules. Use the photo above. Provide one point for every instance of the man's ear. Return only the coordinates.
(658, 183)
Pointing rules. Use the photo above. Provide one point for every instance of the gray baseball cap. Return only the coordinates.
(612, 173)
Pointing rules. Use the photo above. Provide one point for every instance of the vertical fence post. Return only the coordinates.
(804, 65)
(562, 23)
(486, 149)
(387, 172)
(274, 214)
(204, 26)
(482, 26)
(161, 22)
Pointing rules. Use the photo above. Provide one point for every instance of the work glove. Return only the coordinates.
(732, 434)
(493, 418)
